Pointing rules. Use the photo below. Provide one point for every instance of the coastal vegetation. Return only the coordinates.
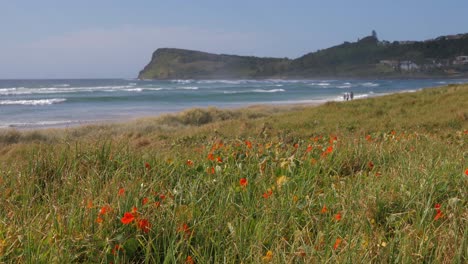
(379, 180)
(445, 56)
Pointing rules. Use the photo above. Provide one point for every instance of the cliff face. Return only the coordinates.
(368, 57)
(187, 64)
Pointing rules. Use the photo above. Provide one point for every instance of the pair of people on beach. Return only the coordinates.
(348, 96)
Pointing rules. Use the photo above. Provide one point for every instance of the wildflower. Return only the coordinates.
(116, 249)
(189, 163)
(296, 146)
(337, 243)
(268, 193)
(121, 192)
(370, 164)
(189, 260)
(338, 217)
(144, 225)
(157, 204)
(243, 182)
(309, 148)
(211, 170)
(185, 229)
(147, 166)
(280, 181)
(333, 139)
(127, 218)
(105, 209)
(89, 205)
(439, 213)
(145, 200)
(99, 220)
(249, 144)
(219, 159)
(162, 196)
(329, 149)
(466, 172)
(324, 210)
(210, 156)
(369, 138)
(268, 256)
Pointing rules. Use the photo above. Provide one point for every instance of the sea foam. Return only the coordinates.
(33, 102)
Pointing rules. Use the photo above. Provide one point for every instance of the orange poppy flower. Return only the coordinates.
(337, 243)
(369, 138)
(127, 218)
(144, 225)
(105, 209)
(338, 217)
(189, 260)
(219, 159)
(243, 182)
(249, 144)
(189, 162)
(324, 209)
(268, 193)
(438, 215)
(99, 220)
(121, 192)
(309, 148)
(466, 172)
(210, 156)
(145, 200)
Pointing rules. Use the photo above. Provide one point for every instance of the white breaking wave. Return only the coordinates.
(33, 102)
(182, 81)
(62, 85)
(268, 91)
(370, 84)
(255, 91)
(134, 90)
(188, 88)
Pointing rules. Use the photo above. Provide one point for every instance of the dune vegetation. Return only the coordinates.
(380, 180)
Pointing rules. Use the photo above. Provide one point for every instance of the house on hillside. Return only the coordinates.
(460, 60)
(408, 66)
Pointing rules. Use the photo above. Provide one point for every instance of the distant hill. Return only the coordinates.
(445, 56)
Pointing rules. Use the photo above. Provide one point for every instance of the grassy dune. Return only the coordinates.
(376, 180)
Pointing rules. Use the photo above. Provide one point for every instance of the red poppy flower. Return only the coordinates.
(121, 192)
(219, 159)
(369, 138)
(211, 170)
(370, 164)
(145, 200)
(127, 218)
(249, 144)
(99, 220)
(309, 148)
(243, 182)
(296, 145)
(144, 225)
(338, 217)
(337, 243)
(147, 166)
(189, 162)
(437, 206)
(466, 172)
(333, 139)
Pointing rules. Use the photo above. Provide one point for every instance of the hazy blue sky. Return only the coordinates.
(115, 38)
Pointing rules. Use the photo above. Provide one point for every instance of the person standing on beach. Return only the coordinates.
(351, 95)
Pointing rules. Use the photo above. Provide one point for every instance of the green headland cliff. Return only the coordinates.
(445, 56)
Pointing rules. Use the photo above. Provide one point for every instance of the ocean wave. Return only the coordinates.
(255, 91)
(182, 81)
(370, 84)
(33, 102)
(62, 85)
(268, 91)
(187, 88)
(134, 90)
(344, 86)
(319, 84)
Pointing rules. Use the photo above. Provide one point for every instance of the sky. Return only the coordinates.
(115, 38)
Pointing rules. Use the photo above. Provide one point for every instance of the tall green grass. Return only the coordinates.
(343, 182)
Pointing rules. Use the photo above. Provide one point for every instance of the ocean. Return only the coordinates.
(63, 103)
